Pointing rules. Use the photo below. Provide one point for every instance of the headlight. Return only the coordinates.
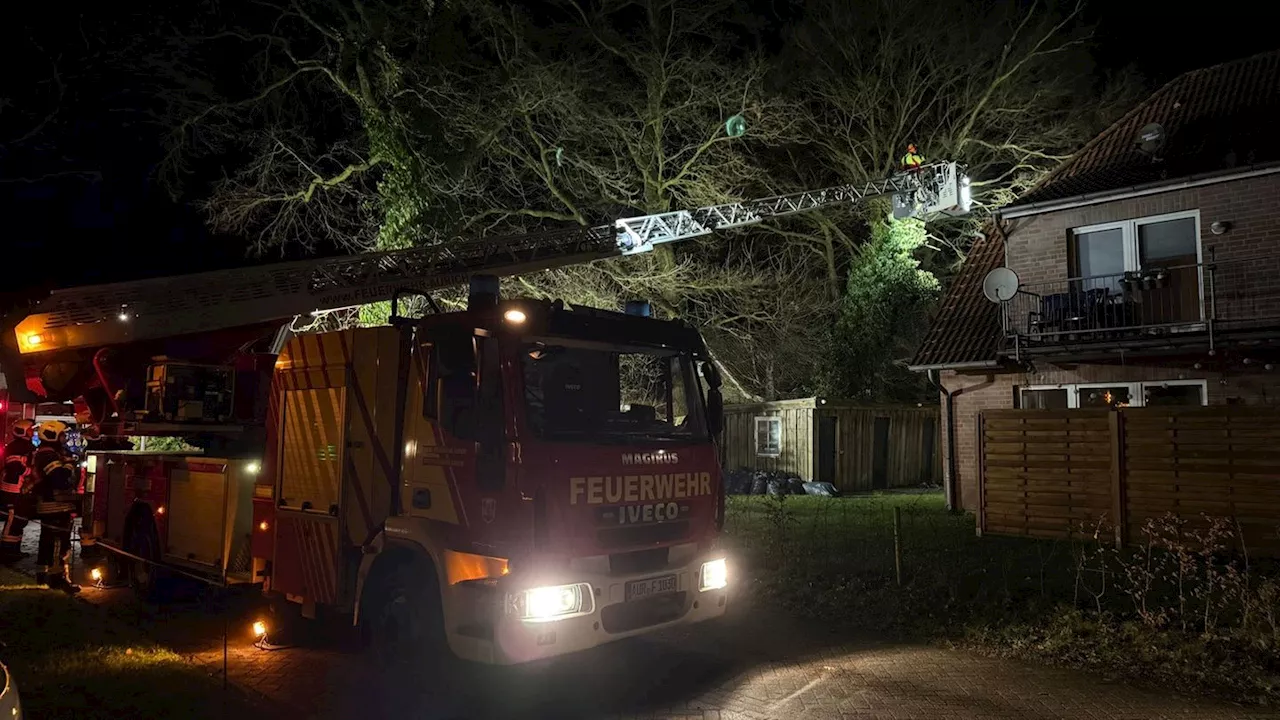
(553, 602)
(714, 575)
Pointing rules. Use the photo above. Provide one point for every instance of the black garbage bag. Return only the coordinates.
(823, 489)
(759, 484)
(737, 482)
(795, 485)
(777, 486)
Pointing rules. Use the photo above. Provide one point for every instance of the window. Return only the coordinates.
(1168, 243)
(1190, 393)
(1131, 245)
(1098, 256)
(1147, 268)
(769, 436)
(577, 390)
(1044, 399)
(1105, 396)
(1187, 393)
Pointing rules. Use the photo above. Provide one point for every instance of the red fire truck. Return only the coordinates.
(517, 480)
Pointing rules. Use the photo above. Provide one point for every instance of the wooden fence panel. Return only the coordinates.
(1047, 473)
(1220, 461)
(1044, 473)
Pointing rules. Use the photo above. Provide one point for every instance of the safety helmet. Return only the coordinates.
(23, 429)
(911, 147)
(52, 431)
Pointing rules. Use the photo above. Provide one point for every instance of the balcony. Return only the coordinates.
(1180, 306)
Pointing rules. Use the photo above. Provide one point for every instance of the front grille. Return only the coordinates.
(639, 561)
(627, 616)
(642, 534)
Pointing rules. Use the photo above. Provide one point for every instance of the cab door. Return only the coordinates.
(463, 448)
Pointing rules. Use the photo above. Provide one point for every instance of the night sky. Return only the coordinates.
(76, 230)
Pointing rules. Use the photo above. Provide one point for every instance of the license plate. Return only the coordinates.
(638, 589)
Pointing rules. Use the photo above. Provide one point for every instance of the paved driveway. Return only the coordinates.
(753, 664)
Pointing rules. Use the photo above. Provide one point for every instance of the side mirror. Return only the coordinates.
(711, 374)
(715, 412)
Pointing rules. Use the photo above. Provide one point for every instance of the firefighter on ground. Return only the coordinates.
(912, 160)
(16, 501)
(55, 486)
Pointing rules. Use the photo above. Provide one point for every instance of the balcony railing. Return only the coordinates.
(1172, 302)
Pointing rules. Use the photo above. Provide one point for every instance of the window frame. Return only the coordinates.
(1134, 388)
(1137, 390)
(1031, 388)
(1202, 384)
(774, 420)
(430, 380)
(1130, 238)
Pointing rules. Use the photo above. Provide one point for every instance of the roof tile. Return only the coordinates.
(966, 328)
(1215, 119)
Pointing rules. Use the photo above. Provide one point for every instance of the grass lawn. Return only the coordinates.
(72, 659)
(834, 559)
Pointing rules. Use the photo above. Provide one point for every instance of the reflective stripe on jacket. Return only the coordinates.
(52, 507)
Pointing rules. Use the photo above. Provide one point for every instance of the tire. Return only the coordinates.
(402, 622)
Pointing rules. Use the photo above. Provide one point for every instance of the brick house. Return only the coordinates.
(1147, 270)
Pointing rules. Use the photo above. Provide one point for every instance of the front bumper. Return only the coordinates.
(613, 618)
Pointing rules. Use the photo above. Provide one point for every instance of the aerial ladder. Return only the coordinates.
(83, 318)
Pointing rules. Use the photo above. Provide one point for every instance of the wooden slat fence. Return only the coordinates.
(1044, 473)
(1221, 461)
(1047, 473)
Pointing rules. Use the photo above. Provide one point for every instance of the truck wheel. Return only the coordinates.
(402, 618)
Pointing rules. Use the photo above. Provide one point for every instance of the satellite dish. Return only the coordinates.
(1000, 285)
(1150, 139)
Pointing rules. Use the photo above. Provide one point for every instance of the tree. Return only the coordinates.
(316, 135)
(882, 318)
(33, 118)
(1007, 89)
(380, 125)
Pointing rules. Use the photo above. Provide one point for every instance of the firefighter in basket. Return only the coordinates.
(16, 501)
(54, 469)
(913, 160)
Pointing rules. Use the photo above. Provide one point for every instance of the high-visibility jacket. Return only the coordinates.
(912, 160)
(17, 460)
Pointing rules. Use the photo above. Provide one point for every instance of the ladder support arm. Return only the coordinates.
(99, 315)
(925, 188)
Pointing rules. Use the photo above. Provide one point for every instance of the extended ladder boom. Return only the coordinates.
(99, 315)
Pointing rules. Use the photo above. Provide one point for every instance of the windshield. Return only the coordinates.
(574, 392)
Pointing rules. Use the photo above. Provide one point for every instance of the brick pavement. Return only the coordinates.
(750, 666)
(747, 668)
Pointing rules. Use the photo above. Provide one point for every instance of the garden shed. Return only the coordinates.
(856, 447)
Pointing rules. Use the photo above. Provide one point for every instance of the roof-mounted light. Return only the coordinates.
(514, 316)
